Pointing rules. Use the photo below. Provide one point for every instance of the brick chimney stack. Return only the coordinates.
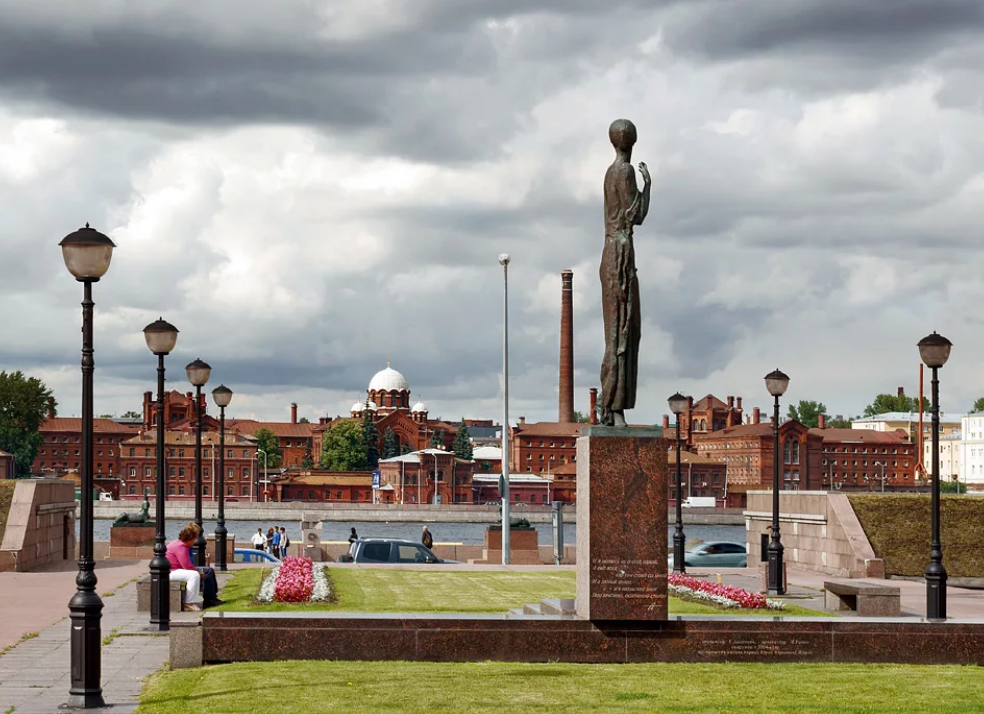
(756, 416)
(666, 422)
(901, 392)
(51, 408)
(565, 411)
(293, 412)
(593, 405)
(731, 402)
(823, 421)
(739, 403)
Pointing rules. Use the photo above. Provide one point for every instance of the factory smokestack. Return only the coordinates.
(565, 413)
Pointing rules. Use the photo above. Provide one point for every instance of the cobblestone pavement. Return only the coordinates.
(35, 673)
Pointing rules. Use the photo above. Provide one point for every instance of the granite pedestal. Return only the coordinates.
(621, 524)
(524, 546)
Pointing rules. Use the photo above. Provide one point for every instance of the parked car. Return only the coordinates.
(715, 555)
(389, 550)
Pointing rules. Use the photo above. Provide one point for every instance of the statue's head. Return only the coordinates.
(622, 134)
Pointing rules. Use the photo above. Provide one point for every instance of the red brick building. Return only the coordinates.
(702, 417)
(857, 459)
(700, 475)
(294, 439)
(61, 447)
(138, 465)
(7, 465)
(419, 476)
(318, 485)
(542, 447)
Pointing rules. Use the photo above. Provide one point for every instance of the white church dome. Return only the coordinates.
(357, 407)
(389, 380)
(419, 407)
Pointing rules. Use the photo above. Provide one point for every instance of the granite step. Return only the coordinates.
(558, 606)
(532, 609)
(516, 611)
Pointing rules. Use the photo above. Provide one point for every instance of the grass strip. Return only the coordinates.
(477, 688)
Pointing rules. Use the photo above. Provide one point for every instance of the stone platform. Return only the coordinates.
(248, 637)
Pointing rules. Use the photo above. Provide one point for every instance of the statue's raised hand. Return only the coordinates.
(644, 170)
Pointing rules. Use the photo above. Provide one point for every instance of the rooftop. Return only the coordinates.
(906, 417)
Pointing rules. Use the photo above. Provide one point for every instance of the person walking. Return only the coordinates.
(276, 542)
(427, 539)
(259, 540)
(353, 536)
(284, 543)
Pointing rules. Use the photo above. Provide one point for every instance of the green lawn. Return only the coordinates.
(432, 688)
(368, 590)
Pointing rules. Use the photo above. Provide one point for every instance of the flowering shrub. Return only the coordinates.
(724, 596)
(295, 581)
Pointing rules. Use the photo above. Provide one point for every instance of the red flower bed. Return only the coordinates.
(294, 580)
(719, 593)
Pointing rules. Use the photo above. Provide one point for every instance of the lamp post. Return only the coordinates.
(934, 350)
(266, 481)
(678, 403)
(161, 337)
(198, 374)
(87, 254)
(221, 395)
(776, 382)
(504, 481)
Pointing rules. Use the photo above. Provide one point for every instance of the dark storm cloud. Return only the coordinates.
(875, 30)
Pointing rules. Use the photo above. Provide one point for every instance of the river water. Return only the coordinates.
(463, 533)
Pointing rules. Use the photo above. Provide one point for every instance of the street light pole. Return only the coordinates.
(677, 404)
(776, 382)
(504, 491)
(87, 254)
(161, 337)
(222, 396)
(935, 351)
(198, 374)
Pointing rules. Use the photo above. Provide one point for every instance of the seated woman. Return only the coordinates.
(182, 570)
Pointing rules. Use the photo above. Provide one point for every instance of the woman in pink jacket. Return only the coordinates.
(182, 570)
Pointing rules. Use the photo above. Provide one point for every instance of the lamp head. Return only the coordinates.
(222, 395)
(87, 253)
(161, 336)
(934, 350)
(198, 372)
(504, 259)
(678, 403)
(776, 382)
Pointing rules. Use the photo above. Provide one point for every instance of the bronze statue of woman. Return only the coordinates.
(625, 207)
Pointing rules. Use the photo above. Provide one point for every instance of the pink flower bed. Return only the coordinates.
(295, 581)
(713, 592)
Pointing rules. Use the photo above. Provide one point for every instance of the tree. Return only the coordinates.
(23, 407)
(582, 418)
(884, 403)
(303, 420)
(131, 415)
(978, 406)
(370, 437)
(839, 422)
(307, 463)
(390, 447)
(405, 449)
(268, 442)
(342, 448)
(437, 440)
(462, 446)
(807, 412)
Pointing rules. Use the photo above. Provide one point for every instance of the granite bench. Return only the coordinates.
(177, 591)
(866, 598)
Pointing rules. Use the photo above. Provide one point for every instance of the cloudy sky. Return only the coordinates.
(309, 189)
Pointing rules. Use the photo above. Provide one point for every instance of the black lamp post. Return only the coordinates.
(161, 337)
(221, 395)
(198, 374)
(776, 382)
(87, 254)
(677, 404)
(935, 351)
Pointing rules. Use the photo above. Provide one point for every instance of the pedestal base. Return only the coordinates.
(621, 524)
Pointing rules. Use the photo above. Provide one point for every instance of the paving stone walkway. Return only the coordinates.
(35, 673)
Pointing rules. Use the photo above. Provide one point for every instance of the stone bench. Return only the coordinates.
(177, 591)
(867, 598)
